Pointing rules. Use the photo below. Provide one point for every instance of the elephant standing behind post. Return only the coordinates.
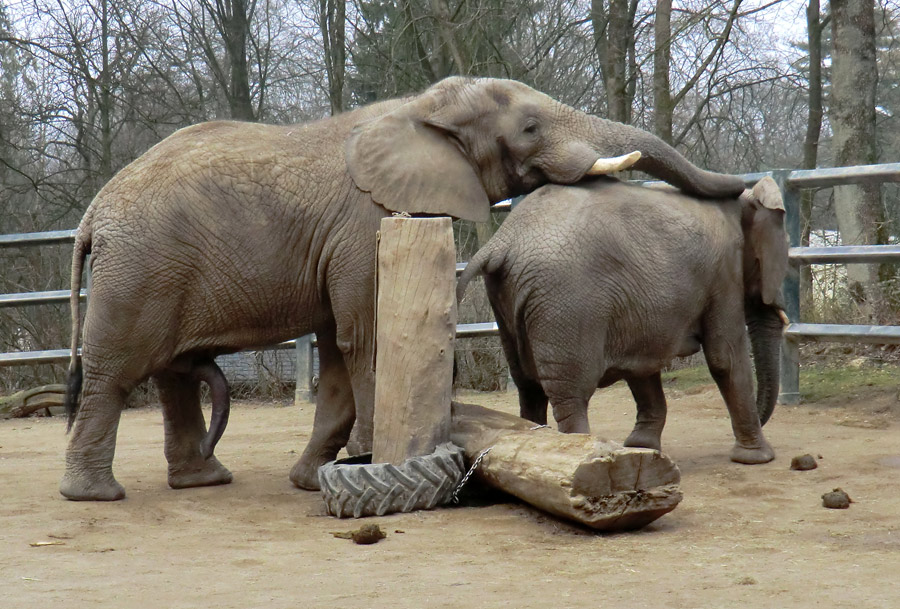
(231, 235)
(602, 281)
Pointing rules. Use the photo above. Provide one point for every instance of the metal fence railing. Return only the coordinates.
(791, 183)
(304, 345)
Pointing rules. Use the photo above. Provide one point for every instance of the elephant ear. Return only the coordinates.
(768, 237)
(410, 162)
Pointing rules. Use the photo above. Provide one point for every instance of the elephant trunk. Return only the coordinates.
(765, 327)
(660, 160)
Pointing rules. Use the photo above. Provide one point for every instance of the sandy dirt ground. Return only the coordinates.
(743, 535)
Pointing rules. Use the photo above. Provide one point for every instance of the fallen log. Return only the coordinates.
(600, 484)
(25, 402)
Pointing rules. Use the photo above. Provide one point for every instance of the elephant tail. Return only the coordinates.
(73, 382)
(473, 268)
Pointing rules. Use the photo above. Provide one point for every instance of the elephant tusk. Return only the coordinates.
(784, 318)
(616, 163)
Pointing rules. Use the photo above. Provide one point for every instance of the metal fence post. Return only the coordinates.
(790, 352)
(303, 372)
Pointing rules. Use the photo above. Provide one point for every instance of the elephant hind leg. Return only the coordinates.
(651, 412)
(92, 446)
(185, 431)
(568, 376)
(532, 400)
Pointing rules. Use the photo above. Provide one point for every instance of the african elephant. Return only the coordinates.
(602, 281)
(228, 235)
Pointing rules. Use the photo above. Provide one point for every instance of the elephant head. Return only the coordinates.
(765, 266)
(465, 143)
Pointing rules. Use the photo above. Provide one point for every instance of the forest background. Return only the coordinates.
(738, 86)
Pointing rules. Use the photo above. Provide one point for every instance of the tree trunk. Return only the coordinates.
(415, 328)
(332, 19)
(615, 61)
(814, 27)
(105, 98)
(859, 211)
(232, 20)
(662, 59)
(24, 403)
(575, 476)
(445, 26)
(242, 107)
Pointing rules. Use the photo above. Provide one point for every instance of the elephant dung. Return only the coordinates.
(597, 483)
(804, 463)
(837, 499)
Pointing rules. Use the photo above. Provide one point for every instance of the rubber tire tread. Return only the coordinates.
(419, 483)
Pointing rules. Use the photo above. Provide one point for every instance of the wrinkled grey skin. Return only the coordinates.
(603, 281)
(230, 235)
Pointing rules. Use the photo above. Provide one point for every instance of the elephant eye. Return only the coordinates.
(530, 128)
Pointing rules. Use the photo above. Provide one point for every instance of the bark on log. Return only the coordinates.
(25, 402)
(415, 330)
(597, 483)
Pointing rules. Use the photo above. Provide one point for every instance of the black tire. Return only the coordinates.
(352, 488)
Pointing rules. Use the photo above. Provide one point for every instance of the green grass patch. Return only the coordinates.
(818, 383)
(821, 383)
(687, 378)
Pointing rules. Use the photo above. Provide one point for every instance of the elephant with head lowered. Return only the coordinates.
(602, 281)
(229, 235)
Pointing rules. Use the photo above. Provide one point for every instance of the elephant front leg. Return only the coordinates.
(89, 456)
(334, 417)
(185, 431)
(729, 363)
(651, 412)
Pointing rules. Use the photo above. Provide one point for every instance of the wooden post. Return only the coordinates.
(601, 484)
(415, 331)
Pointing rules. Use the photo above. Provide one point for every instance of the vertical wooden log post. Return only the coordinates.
(415, 331)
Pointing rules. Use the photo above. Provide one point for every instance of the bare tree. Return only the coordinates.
(815, 24)
(663, 104)
(614, 40)
(332, 21)
(231, 19)
(859, 210)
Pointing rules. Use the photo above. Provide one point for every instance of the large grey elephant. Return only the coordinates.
(230, 235)
(603, 281)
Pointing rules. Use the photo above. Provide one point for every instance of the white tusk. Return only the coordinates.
(784, 317)
(616, 163)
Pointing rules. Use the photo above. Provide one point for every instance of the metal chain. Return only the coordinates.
(455, 496)
(475, 464)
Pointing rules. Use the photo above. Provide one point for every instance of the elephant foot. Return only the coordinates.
(200, 472)
(752, 455)
(360, 441)
(305, 473)
(643, 438)
(83, 487)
